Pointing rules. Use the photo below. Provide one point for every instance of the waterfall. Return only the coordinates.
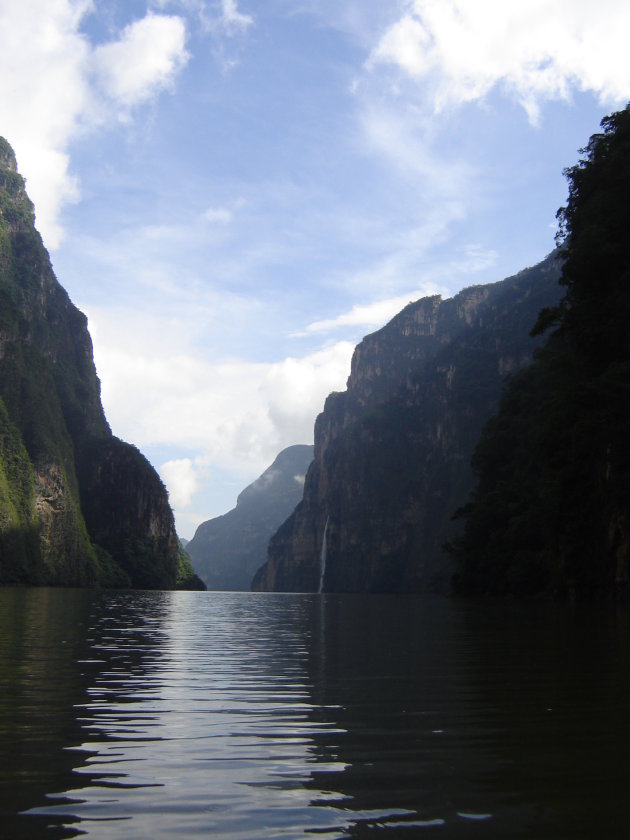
(322, 558)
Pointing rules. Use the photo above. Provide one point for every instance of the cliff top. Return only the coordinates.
(7, 156)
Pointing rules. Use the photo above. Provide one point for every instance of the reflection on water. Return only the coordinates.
(132, 715)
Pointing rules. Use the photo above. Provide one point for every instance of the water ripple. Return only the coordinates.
(134, 715)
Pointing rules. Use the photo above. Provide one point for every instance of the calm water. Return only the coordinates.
(167, 715)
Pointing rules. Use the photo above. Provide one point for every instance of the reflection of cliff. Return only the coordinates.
(54, 644)
(387, 690)
(392, 452)
(479, 720)
(42, 639)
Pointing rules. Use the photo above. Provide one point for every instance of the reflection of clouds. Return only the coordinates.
(196, 701)
(251, 715)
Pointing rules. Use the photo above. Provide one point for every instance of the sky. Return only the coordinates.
(236, 192)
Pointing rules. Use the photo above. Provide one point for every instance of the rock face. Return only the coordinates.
(392, 452)
(77, 506)
(227, 551)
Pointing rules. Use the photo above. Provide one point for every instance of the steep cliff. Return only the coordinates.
(227, 551)
(392, 452)
(77, 505)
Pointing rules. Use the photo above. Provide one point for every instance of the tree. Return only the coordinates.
(550, 512)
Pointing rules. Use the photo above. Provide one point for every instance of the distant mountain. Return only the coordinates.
(392, 453)
(227, 551)
(78, 507)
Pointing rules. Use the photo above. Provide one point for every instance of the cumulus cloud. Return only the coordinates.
(294, 390)
(143, 61)
(535, 49)
(233, 414)
(180, 477)
(58, 84)
(43, 95)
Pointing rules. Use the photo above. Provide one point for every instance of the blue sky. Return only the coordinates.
(235, 192)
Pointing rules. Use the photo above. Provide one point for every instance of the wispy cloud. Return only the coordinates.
(473, 259)
(369, 315)
(214, 15)
(232, 19)
(218, 215)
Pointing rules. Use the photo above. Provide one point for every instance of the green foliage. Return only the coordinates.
(17, 479)
(110, 574)
(16, 209)
(186, 577)
(19, 544)
(550, 512)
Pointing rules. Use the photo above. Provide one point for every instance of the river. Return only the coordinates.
(237, 715)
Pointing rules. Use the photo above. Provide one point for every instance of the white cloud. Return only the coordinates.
(537, 50)
(157, 390)
(403, 133)
(145, 60)
(370, 315)
(42, 97)
(232, 19)
(218, 215)
(294, 390)
(234, 416)
(181, 479)
(54, 81)
(406, 43)
(226, 25)
(473, 259)
(213, 14)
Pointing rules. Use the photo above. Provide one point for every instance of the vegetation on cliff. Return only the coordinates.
(77, 506)
(187, 578)
(550, 514)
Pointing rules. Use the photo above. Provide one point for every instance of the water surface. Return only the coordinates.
(160, 715)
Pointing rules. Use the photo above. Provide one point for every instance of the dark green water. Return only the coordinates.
(167, 715)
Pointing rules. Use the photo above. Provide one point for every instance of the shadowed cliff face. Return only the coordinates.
(392, 453)
(73, 498)
(226, 551)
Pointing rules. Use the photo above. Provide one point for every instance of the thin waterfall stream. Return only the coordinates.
(322, 558)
